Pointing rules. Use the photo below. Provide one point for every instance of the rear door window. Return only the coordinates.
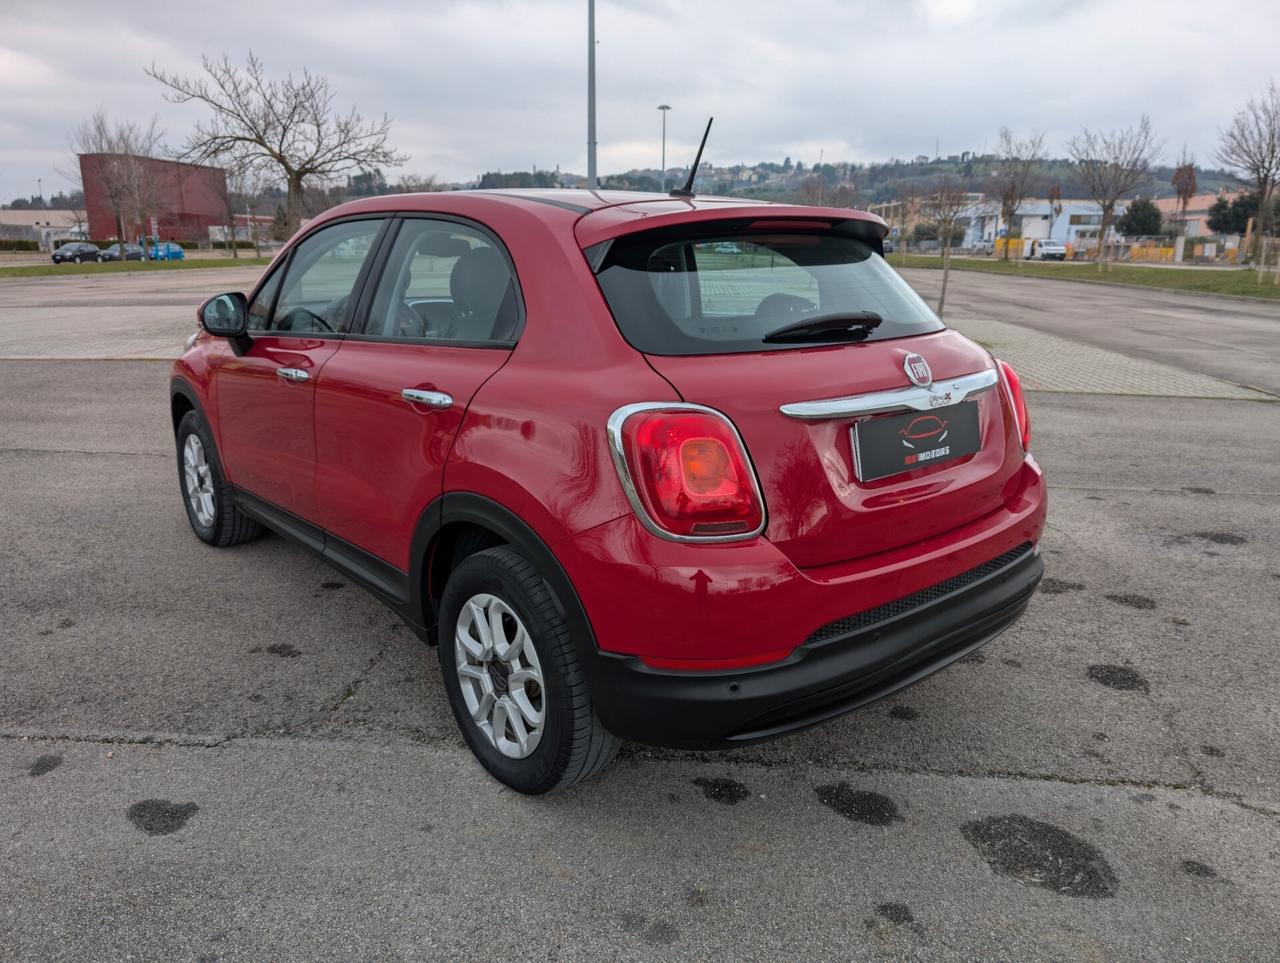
(721, 289)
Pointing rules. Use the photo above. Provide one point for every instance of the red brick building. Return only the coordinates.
(186, 199)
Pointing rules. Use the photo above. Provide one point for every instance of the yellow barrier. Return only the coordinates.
(1151, 254)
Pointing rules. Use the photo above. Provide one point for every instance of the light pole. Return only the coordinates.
(662, 177)
(591, 95)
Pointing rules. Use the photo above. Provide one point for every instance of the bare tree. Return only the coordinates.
(1251, 146)
(126, 178)
(1016, 160)
(1111, 164)
(288, 124)
(1184, 185)
(414, 184)
(944, 206)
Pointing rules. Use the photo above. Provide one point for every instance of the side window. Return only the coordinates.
(260, 309)
(444, 282)
(317, 292)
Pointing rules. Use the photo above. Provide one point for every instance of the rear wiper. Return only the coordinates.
(855, 325)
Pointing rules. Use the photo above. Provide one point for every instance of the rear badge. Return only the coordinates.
(917, 370)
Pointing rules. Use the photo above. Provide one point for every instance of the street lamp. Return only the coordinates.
(591, 95)
(662, 178)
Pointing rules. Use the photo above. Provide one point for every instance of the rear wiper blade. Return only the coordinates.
(853, 324)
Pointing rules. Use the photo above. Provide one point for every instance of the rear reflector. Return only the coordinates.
(1013, 384)
(686, 472)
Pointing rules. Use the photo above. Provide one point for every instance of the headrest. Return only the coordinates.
(438, 244)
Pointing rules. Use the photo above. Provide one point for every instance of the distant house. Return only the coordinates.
(41, 226)
(1196, 217)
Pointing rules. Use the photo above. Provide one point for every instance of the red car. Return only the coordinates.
(633, 461)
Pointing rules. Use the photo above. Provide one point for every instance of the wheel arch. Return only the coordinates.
(439, 533)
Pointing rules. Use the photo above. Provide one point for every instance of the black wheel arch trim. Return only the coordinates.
(467, 507)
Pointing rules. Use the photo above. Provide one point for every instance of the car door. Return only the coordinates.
(266, 387)
(442, 318)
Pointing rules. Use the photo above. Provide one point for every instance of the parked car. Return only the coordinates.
(890, 246)
(167, 251)
(1048, 250)
(625, 505)
(76, 253)
(132, 252)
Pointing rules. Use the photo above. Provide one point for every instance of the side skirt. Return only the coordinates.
(386, 582)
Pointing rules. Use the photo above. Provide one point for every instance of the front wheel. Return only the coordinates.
(514, 681)
(206, 495)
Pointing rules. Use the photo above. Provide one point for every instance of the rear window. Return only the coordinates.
(718, 289)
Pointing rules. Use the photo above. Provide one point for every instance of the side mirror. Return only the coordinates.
(226, 316)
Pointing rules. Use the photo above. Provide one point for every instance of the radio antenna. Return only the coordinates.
(687, 190)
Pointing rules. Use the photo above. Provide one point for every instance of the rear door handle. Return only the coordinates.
(432, 399)
(292, 374)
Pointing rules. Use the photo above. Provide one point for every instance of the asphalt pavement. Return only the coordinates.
(1230, 338)
(235, 754)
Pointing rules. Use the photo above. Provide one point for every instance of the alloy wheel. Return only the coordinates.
(500, 676)
(199, 480)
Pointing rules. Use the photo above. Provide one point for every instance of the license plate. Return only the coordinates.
(893, 444)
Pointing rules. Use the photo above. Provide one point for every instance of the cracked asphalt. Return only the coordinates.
(235, 754)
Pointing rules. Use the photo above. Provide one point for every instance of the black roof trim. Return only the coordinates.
(565, 205)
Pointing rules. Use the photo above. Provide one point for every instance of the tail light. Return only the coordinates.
(1014, 385)
(686, 472)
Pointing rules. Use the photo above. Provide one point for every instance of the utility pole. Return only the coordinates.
(662, 177)
(591, 95)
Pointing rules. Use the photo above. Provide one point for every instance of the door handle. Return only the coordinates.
(292, 374)
(432, 399)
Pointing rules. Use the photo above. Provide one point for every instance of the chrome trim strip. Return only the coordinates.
(614, 432)
(949, 391)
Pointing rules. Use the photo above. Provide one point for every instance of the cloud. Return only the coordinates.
(500, 84)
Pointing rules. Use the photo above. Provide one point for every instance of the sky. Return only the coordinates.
(501, 84)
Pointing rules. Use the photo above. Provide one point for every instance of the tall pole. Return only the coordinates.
(662, 177)
(591, 94)
(40, 191)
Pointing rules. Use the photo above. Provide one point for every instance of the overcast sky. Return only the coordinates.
(488, 84)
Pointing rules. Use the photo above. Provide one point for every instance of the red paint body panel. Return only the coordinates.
(381, 460)
(267, 435)
(651, 597)
(819, 513)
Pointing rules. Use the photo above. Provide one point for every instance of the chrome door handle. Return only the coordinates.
(292, 374)
(432, 399)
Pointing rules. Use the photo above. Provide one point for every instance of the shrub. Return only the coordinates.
(19, 245)
(226, 245)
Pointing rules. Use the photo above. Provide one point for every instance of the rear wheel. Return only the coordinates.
(514, 681)
(210, 505)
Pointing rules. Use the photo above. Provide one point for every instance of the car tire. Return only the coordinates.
(570, 744)
(77, 259)
(212, 511)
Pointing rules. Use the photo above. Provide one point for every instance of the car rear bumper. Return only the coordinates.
(718, 645)
(861, 660)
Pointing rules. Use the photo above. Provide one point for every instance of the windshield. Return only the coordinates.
(721, 288)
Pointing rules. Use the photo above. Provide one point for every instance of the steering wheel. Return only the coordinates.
(783, 307)
(304, 319)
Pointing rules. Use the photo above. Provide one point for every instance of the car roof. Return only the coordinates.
(600, 214)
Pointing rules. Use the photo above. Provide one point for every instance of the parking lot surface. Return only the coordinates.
(235, 754)
(1229, 338)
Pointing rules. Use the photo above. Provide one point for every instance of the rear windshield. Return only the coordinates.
(720, 289)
